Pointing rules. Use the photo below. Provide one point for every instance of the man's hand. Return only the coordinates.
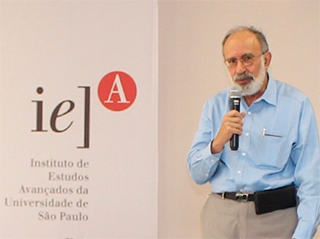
(231, 124)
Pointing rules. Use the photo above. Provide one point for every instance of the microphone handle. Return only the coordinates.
(234, 141)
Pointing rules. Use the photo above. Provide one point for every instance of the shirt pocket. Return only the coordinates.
(273, 150)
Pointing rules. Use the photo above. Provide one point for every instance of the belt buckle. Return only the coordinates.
(242, 197)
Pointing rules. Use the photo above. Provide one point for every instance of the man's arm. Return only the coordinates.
(203, 158)
(306, 156)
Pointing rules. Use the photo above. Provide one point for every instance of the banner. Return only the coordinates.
(78, 119)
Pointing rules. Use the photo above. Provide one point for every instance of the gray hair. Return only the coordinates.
(260, 36)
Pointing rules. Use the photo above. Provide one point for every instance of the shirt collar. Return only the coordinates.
(270, 94)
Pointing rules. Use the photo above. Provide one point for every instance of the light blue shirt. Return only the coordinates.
(279, 146)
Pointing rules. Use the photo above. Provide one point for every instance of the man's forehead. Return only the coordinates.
(241, 42)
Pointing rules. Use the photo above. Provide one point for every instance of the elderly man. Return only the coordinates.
(269, 187)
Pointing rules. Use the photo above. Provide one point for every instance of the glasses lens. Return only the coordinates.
(231, 62)
(247, 59)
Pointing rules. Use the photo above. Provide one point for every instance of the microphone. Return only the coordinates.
(235, 94)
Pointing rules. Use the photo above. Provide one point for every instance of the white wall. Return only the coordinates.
(191, 70)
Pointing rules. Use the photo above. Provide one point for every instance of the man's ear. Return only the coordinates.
(267, 59)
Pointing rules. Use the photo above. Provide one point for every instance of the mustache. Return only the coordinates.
(242, 76)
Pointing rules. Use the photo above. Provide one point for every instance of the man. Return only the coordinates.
(254, 188)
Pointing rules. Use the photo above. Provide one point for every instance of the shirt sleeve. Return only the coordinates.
(202, 163)
(306, 156)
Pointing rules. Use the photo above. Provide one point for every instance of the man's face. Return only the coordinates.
(243, 45)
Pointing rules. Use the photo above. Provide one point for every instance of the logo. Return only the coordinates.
(117, 91)
(62, 109)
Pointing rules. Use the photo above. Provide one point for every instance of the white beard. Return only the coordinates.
(255, 84)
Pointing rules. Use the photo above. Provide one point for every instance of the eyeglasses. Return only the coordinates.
(246, 59)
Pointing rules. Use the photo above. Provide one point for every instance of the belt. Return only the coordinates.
(238, 196)
(268, 200)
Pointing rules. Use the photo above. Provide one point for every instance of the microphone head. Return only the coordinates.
(235, 91)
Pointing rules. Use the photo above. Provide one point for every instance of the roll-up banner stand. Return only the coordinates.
(78, 119)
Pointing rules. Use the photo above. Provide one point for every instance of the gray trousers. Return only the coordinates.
(225, 218)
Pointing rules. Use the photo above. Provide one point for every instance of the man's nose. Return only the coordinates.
(240, 67)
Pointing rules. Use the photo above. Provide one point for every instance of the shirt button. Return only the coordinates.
(239, 172)
(249, 113)
(247, 134)
(243, 154)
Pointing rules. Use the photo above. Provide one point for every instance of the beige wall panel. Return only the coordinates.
(191, 70)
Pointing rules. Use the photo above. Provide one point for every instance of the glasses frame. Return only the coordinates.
(242, 60)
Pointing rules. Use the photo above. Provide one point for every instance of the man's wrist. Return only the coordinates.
(216, 147)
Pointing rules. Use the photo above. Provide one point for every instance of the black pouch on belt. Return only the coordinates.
(275, 199)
